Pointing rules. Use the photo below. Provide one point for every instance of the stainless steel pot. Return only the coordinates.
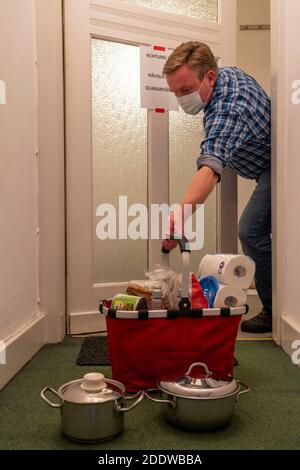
(92, 408)
(199, 404)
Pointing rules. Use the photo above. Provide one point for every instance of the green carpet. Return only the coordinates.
(266, 418)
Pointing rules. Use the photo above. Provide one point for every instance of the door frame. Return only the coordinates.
(115, 21)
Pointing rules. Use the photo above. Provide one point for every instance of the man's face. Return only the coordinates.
(185, 81)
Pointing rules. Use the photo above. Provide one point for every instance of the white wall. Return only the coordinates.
(254, 57)
(286, 169)
(32, 262)
(18, 166)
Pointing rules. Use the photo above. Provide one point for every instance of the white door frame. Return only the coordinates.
(51, 165)
(119, 22)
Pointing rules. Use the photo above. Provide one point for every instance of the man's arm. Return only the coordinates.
(201, 185)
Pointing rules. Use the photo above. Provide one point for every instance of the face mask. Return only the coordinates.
(192, 103)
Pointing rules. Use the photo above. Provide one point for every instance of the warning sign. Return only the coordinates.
(154, 88)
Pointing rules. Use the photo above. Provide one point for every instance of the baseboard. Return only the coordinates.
(21, 346)
(290, 334)
(86, 322)
(55, 327)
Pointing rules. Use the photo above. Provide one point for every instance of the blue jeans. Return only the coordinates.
(255, 230)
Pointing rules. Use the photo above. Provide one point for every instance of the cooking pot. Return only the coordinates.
(198, 404)
(92, 408)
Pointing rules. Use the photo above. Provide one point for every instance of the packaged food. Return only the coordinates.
(162, 277)
(144, 288)
(128, 302)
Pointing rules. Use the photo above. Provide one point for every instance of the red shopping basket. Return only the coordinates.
(145, 346)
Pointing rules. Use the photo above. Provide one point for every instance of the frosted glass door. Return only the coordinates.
(185, 136)
(119, 154)
(204, 9)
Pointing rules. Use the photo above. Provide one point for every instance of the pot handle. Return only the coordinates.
(157, 400)
(132, 397)
(53, 405)
(247, 389)
(129, 408)
(199, 364)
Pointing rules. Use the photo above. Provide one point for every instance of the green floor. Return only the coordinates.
(266, 418)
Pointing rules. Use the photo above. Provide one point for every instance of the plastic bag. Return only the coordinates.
(163, 278)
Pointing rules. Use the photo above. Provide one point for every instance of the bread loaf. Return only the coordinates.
(144, 289)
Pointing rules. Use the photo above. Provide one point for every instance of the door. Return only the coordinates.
(117, 149)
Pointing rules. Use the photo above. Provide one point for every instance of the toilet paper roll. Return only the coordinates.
(228, 296)
(233, 270)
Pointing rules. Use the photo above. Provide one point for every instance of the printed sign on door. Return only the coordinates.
(155, 93)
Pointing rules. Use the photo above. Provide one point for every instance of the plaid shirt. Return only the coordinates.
(237, 123)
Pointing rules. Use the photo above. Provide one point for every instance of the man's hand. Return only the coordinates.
(175, 228)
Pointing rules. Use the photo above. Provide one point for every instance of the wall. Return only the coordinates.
(18, 166)
(286, 170)
(32, 248)
(254, 57)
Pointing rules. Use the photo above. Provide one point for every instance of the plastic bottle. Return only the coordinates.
(157, 303)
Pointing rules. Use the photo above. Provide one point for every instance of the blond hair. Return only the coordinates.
(196, 55)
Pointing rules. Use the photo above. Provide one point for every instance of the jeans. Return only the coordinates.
(255, 228)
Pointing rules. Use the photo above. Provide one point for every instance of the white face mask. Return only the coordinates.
(192, 103)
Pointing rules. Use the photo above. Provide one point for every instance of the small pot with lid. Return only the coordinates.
(92, 408)
(199, 404)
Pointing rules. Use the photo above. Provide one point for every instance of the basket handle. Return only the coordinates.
(185, 303)
(182, 242)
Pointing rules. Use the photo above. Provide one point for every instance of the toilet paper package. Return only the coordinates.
(233, 270)
(230, 296)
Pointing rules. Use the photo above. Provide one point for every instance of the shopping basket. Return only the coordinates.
(145, 346)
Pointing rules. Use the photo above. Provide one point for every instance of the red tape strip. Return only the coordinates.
(159, 48)
(159, 110)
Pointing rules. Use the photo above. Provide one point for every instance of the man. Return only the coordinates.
(237, 122)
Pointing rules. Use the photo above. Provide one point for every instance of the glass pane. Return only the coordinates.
(206, 10)
(119, 154)
(186, 134)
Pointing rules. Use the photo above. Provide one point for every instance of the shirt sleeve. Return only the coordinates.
(225, 130)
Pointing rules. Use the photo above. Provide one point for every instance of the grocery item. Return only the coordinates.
(210, 287)
(157, 303)
(128, 302)
(197, 296)
(230, 296)
(233, 270)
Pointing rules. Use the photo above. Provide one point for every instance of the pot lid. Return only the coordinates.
(194, 387)
(93, 388)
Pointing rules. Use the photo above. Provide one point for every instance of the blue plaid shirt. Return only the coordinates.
(237, 123)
